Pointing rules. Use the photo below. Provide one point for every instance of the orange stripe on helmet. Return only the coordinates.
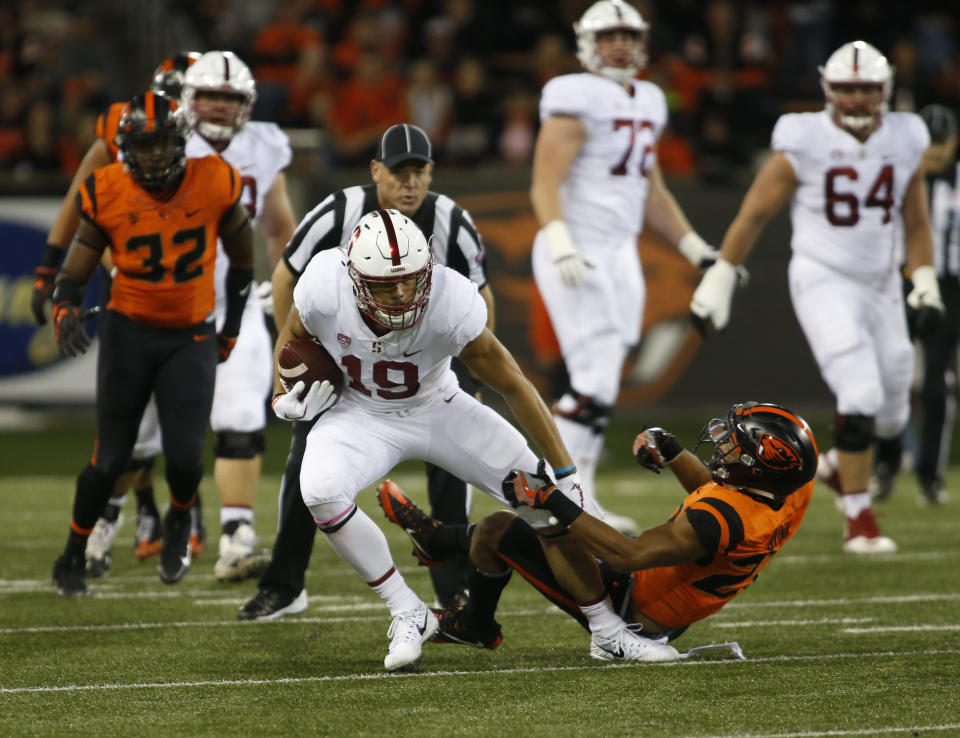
(789, 416)
(150, 108)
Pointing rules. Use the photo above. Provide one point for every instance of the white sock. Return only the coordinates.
(117, 501)
(235, 512)
(602, 619)
(856, 503)
(362, 545)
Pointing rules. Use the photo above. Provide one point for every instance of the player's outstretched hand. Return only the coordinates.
(532, 488)
(72, 340)
(655, 447)
(319, 398)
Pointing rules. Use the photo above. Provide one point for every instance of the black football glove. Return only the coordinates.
(655, 447)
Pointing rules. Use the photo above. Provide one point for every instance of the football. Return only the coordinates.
(302, 359)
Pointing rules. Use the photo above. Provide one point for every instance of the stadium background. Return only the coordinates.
(335, 73)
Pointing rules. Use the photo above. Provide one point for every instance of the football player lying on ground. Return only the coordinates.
(742, 505)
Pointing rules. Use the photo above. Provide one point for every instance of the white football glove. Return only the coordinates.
(265, 296)
(569, 485)
(925, 300)
(319, 397)
(712, 298)
(570, 263)
(926, 290)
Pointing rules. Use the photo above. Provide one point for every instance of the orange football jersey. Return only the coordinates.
(107, 125)
(750, 533)
(164, 252)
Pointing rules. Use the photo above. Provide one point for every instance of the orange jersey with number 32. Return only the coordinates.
(164, 251)
(748, 533)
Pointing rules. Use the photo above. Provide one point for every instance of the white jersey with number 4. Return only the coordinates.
(604, 194)
(404, 369)
(849, 194)
(259, 152)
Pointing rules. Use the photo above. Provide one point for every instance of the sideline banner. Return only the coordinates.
(32, 372)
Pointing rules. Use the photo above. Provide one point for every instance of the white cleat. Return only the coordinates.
(239, 558)
(408, 632)
(100, 546)
(627, 645)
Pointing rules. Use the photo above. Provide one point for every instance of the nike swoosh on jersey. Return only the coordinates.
(191, 213)
(201, 337)
(448, 399)
(412, 352)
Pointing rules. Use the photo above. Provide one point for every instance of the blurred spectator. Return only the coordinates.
(519, 128)
(429, 101)
(288, 59)
(40, 153)
(369, 102)
(474, 115)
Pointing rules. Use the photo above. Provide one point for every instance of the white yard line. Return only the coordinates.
(487, 673)
(912, 729)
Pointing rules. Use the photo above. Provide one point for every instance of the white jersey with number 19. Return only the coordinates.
(404, 369)
(844, 211)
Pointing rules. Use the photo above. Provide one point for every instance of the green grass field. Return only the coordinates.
(835, 645)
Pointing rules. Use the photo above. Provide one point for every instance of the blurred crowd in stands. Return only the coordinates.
(468, 71)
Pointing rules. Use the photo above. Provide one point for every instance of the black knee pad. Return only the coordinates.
(587, 411)
(237, 445)
(852, 432)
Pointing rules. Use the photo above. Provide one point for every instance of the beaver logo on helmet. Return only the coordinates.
(777, 453)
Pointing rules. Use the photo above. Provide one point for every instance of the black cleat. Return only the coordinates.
(401, 510)
(175, 557)
(68, 576)
(270, 603)
(454, 628)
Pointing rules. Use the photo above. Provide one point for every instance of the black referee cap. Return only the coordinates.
(941, 122)
(403, 142)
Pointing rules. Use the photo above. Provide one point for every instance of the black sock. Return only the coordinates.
(485, 590)
(145, 502)
(450, 540)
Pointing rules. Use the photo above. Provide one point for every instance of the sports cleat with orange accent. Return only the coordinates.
(401, 510)
(454, 628)
(149, 540)
(863, 535)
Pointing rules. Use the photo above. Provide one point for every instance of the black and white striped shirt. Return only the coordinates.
(945, 221)
(448, 228)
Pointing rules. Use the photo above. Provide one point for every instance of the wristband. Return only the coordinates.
(51, 256)
(670, 448)
(565, 471)
(563, 508)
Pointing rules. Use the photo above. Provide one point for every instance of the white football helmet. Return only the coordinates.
(610, 15)
(856, 62)
(386, 248)
(219, 71)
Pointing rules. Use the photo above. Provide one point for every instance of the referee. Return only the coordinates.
(940, 347)
(401, 173)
